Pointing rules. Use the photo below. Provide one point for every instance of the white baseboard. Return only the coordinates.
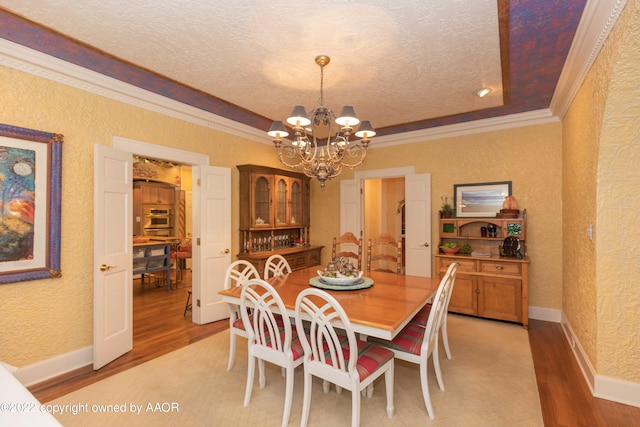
(617, 390)
(546, 314)
(58, 365)
(603, 387)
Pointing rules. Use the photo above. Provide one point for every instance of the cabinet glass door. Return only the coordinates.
(448, 228)
(262, 206)
(282, 187)
(296, 202)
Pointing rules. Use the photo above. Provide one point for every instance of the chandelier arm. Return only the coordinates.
(353, 152)
(290, 153)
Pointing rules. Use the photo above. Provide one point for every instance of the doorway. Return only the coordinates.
(113, 249)
(162, 213)
(417, 207)
(383, 209)
(185, 158)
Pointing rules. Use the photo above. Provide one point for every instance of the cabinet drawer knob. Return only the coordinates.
(499, 267)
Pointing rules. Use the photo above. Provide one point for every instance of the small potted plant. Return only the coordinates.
(446, 210)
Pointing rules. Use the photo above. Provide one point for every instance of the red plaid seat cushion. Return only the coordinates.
(238, 324)
(296, 345)
(409, 340)
(422, 316)
(370, 356)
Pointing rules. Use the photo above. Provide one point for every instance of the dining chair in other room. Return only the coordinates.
(336, 355)
(188, 306)
(383, 251)
(181, 250)
(416, 344)
(238, 273)
(423, 315)
(276, 265)
(270, 338)
(346, 246)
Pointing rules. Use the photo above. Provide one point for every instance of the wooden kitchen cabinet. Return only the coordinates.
(155, 193)
(275, 217)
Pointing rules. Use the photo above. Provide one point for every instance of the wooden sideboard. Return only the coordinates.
(495, 287)
(298, 257)
(488, 283)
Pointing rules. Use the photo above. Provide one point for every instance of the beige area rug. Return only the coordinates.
(489, 382)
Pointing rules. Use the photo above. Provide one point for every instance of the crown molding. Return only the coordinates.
(510, 121)
(21, 58)
(598, 19)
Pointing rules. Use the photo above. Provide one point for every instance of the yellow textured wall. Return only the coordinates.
(600, 186)
(581, 135)
(44, 318)
(530, 157)
(618, 293)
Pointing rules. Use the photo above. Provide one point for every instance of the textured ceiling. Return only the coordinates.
(403, 64)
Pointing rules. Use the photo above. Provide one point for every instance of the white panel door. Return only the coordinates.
(212, 235)
(418, 225)
(112, 256)
(351, 207)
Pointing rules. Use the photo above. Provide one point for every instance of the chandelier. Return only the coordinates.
(315, 149)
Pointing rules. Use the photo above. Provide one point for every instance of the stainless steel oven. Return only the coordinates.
(156, 220)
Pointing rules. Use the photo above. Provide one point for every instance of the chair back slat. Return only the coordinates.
(382, 251)
(323, 344)
(438, 312)
(238, 273)
(276, 265)
(259, 303)
(348, 246)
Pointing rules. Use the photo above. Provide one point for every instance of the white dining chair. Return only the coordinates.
(237, 274)
(276, 265)
(337, 356)
(416, 343)
(423, 315)
(270, 338)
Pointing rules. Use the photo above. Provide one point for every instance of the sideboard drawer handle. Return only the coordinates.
(499, 267)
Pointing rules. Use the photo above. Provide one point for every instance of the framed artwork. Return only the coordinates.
(30, 187)
(480, 200)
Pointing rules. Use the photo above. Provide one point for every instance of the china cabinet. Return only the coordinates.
(274, 217)
(488, 283)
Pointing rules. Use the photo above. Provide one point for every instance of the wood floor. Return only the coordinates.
(159, 328)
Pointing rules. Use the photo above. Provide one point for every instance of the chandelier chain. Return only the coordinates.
(321, 100)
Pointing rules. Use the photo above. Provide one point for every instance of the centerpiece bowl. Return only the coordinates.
(336, 278)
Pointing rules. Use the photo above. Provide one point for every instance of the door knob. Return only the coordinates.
(226, 251)
(426, 245)
(105, 267)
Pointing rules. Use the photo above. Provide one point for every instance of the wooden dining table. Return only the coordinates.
(381, 310)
